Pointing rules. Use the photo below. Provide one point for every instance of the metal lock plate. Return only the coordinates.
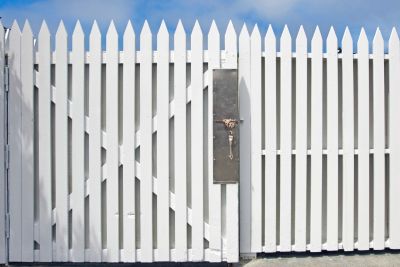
(226, 126)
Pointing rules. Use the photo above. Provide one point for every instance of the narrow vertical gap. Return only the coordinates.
(324, 105)
(86, 159)
(137, 211)
(70, 229)
(223, 210)
(371, 197)
(293, 200)
(308, 195)
(172, 228)
(355, 198)
(340, 199)
(371, 105)
(324, 198)
(154, 154)
(340, 105)
(309, 103)
(205, 157)
(35, 158)
(293, 103)
(387, 192)
(278, 104)
(355, 85)
(386, 103)
(103, 97)
(155, 221)
(86, 222)
(121, 206)
(262, 147)
(104, 214)
(278, 198)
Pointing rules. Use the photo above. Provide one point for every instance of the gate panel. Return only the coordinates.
(117, 147)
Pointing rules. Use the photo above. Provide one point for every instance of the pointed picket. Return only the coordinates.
(301, 141)
(214, 192)
(113, 145)
(245, 140)
(27, 128)
(286, 141)
(363, 142)
(348, 142)
(394, 142)
(256, 165)
(2, 155)
(61, 138)
(146, 195)
(14, 140)
(197, 143)
(78, 144)
(163, 147)
(128, 133)
(232, 190)
(44, 146)
(379, 142)
(332, 97)
(95, 211)
(180, 143)
(316, 143)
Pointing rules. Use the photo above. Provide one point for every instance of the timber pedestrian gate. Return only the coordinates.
(111, 156)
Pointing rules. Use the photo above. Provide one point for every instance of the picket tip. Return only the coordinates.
(197, 28)
(145, 29)
(332, 34)
(95, 28)
(78, 29)
(129, 29)
(44, 29)
(256, 31)
(179, 28)
(163, 29)
(213, 29)
(112, 30)
(230, 29)
(317, 36)
(347, 39)
(301, 35)
(285, 33)
(378, 36)
(244, 31)
(394, 37)
(27, 30)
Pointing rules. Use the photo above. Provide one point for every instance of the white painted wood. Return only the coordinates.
(112, 125)
(146, 191)
(3, 138)
(332, 219)
(363, 142)
(245, 139)
(95, 207)
(232, 193)
(301, 142)
(270, 171)
(197, 143)
(163, 109)
(180, 144)
(286, 142)
(44, 147)
(78, 145)
(379, 142)
(348, 142)
(256, 167)
(128, 133)
(27, 130)
(14, 140)
(316, 143)
(61, 143)
(394, 141)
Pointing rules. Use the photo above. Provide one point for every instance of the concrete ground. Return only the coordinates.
(385, 258)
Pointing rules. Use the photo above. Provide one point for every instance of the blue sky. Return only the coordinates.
(340, 13)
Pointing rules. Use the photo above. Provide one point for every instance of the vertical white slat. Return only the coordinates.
(197, 143)
(61, 143)
(146, 164)
(316, 142)
(363, 142)
(286, 142)
(214, 193)
(332, 143)
(180, 144)
(232, 193)
(112, 125)
(27, 171)
(348, 141)
(301, 142)
(3, 245)
(270, 141)
(14, 140)
(128, 134)
(256, 166)
(44, 147)
(379, 141)
(245, 140)
(163, 228)
(394, 141)
(78, 145)
(95, 178)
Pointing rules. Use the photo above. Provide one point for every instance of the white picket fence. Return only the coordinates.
(111, 155)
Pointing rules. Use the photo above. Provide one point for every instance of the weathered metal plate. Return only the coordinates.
(225, 106)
